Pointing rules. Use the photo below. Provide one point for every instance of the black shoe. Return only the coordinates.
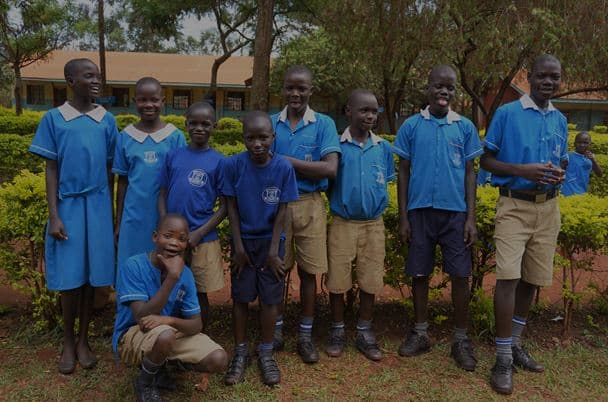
(337, 341)
(236, 369)
(146, 392)
(164, 380)
(307, 351)
(271, 375)
(414, 345)
(462, 352)
(278, 343)
(522, 358)
(502, 375)
(366, 343)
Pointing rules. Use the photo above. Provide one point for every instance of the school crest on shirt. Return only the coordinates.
(150, 157)
(380, 177)
(270, 195)
(180, 295)
(308, 157)
(197, 177)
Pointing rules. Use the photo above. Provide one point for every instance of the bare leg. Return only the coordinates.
(69, 307)
(86, 357)
(336, 303)
(203, 301)
(308, 292)
(461, 294)
(366, 305)
(268, 316)
(420, 290)
(240, 313)
(504, 305)
(523, 298)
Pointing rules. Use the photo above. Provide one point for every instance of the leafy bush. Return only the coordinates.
(176, 120)
(599, 185)
(600, 129)
(229, 123)
(484, 251)
(228, 149)
(15, 157)
(599, 142)
(123, 120)
(571, 126)
(481, 311)
(25, 124)
(389, 137)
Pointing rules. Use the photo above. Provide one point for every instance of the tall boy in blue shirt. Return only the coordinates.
(525, 146)
(580, 164)
(436, 194)
(257, 186)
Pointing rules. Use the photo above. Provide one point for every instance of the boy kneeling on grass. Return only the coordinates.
(158, 315)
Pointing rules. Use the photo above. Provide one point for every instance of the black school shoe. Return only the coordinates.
(236, 369)
(164, 380)
(501, 378)
(366, 343)
(307, 351)
(522, 358)
(146, 392)
(462, 352)
(337, 341)
(278, 342)
(271, 375)
(414, 345)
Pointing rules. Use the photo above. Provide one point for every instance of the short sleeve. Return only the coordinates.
(227, 184)
(130, 286)
(564, 136)
(189, 305)
(329, 137)
(402, 142)
(111, 136)
(494, 136)
(289, 192)
(389, 161)
(121, 164)
(472, 144)
(181, 139)
(44, 143)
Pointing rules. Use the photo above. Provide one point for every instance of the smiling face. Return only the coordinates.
(297, 89)
(582, 143)
(171, 236)
(545, 79)
(149, 100)
(85, 80)
(258, 137)
(362, 112)
(441, 90)
(201, 124)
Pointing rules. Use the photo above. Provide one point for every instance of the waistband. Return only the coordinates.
(532, 197)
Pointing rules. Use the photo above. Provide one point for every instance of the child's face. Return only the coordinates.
(86, 80)
(149, 101)
(171, 238)
(258, 138)
(201, 124)
(582, 143)
(297, 90)
(363, 112)
(441, 90)
(545, 79)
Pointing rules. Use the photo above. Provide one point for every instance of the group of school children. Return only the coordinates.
(172, 196)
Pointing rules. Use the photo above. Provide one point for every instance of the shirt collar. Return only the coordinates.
(527, 103)
(157, 136)
(451, 117)
(69, 112)
(347, 137)
(309, 115)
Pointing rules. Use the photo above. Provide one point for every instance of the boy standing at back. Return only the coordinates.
(436, 194)
(309, 140)
(526, 144)
(358, 198)
(580, 164)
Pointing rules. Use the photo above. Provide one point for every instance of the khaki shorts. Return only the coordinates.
(361, 242)
(526, 237)
(208, 267)
(306, 234)
(135, 344)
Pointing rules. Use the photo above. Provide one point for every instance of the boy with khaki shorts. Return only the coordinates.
(358, 197)
(158, 316)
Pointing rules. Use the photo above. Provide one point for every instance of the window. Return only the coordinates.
(121, 97)
(35, 95)
(181, 99)
(235, 101)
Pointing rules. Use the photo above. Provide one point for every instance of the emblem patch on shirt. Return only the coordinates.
(270, 195)
(197, 178)
(380, 177)
(308, 157)
(180, 295)
(150, 157)
(557, 152)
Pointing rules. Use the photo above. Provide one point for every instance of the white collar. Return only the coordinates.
(69, 112)
(346, 136)
(451, 117)
(527, 103)
(157, 136)
(309, 115)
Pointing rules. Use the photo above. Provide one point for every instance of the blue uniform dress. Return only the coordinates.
(577, 174)
(192, 179)
(83, 146)
(140, 156)
(138, 279)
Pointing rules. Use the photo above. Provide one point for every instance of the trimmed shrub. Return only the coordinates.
(176, 120)
(599, 142)
(229, 123)
(600, 129)
(599, 185)
(123, 120)
(227, 136)
(229, 149)
(22, 125)
(14, 156)
(571, 126)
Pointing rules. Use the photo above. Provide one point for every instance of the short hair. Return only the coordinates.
(356, 93)
(544, 58)
(168, 216)
(441, 68)
(255, 115)
(204, 105)
(147, 80)
(581, 134)
(298, 69)
(73, 65)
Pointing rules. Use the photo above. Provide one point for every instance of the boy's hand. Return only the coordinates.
(589, 155)
(152, 321)
(174, 265)
(276, 264)
(470, 232)
(404, 230)
(240, 259)
(56, 229)
(194, 238)
(543, 173)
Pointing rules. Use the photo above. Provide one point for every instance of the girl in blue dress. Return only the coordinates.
(77, 140)
(140, 154)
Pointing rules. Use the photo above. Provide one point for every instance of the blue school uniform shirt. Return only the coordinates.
(140, 156)
(314, 137)
(520, 132)
(359, 191)
(192, 180)
(258, 191)
(438, 150)
(138, 279)
(577, 174)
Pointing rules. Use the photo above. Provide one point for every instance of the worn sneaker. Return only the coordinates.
(414, 345)
(271, 375)
(278, 343)
(462, 352)
(337, 341)
(307, 351)
(366, 343)
(164, 380)
(522, 358)
(236, 369)
(501, 378)
(145, 392)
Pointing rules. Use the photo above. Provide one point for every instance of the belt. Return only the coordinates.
(537, 198)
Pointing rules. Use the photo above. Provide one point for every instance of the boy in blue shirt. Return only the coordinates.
(309, 140)
(189, 186)
(580, 165)
(257, 186)
(357, 198)
(436, 195)
(526, 144)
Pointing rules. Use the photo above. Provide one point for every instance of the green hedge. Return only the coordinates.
(599, 185)
(15, 156)
(600, 129)
(599, 142)
(21, 125)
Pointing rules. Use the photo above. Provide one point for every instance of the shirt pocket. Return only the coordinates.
(555, 147)
(456, 153)
(379, 174)
(308, 152)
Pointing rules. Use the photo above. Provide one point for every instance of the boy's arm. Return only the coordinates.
(273, 261)
(215, 219)
(56, 228)
(327, 167)
(594, 165)
(403, 183)
(541, 173)
(161, 204)
(240, 258)
(189, 326)
(123, 183)
(470, 187)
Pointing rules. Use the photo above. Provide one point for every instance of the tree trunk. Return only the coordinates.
(101, 30)
(261, 56)
(18, 85)
(210, 95)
